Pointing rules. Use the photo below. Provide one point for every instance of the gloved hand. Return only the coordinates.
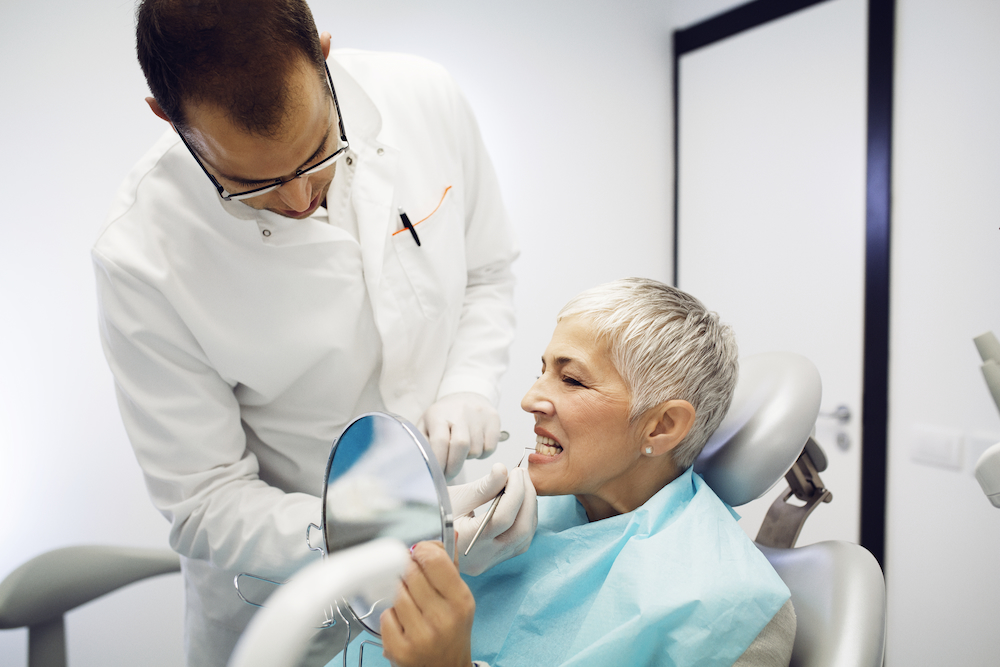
(509, 532)
(460, 426)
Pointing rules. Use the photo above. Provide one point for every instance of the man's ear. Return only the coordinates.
(324, 44)
(667, 424)
(154, 106)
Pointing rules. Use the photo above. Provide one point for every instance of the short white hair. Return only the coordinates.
(666, 345)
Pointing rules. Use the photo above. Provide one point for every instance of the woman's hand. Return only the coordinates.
(431, 623)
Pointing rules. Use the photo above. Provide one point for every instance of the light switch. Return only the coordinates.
(937, 446)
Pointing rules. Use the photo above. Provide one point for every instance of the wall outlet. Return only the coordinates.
(937, 446)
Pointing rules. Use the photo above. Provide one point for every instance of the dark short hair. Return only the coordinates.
(234, 54)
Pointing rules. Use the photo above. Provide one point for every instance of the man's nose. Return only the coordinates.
(296, 194)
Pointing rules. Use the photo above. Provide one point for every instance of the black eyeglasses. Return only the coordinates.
(319, 166)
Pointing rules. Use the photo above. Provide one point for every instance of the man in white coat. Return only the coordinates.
(319, 235)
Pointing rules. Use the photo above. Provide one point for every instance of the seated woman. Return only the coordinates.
(635, 561)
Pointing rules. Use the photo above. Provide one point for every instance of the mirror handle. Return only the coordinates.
(309, 539)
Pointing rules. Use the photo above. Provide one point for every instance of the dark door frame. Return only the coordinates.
(875, 373)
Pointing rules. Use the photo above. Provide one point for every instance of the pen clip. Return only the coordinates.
(408, 224)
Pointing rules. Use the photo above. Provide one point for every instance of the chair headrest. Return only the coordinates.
(773, 412)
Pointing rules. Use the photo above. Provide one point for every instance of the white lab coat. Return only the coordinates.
(242, 342)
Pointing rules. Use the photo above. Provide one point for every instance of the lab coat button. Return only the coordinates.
(350, 161)
(266, 232)
(380, 151)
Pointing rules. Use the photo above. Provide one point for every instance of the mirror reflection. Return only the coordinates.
(382, 481)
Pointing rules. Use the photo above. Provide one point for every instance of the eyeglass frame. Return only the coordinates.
(264, 189)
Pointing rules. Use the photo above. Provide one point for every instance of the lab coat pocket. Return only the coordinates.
(435, 270)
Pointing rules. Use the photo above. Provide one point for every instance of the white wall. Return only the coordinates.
(573, 99)
(72, 121)
(943, 537)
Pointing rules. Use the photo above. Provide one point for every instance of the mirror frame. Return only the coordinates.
(437, 477)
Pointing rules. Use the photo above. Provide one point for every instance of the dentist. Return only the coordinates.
(319, 234)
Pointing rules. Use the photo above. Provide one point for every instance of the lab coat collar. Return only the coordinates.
(361, 117)
(373, 189)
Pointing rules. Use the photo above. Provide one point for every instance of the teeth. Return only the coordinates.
(547, 446)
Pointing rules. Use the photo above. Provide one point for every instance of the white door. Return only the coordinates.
(771, 214)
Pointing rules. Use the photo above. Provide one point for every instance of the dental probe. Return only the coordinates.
(493, 506)
(496, 501)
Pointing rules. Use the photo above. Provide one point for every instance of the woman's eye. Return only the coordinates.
(572, 381)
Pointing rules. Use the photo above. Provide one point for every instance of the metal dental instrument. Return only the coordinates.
(496, 501)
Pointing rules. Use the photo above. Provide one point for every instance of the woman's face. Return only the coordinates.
(585, 445)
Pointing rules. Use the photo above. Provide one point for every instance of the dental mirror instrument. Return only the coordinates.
(496, 501)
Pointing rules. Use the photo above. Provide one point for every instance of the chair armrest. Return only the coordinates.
(47, 586)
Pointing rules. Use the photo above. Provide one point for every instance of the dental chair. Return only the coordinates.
(39, 593)
(837, 587)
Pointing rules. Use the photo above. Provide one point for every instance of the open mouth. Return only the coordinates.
(547, 446)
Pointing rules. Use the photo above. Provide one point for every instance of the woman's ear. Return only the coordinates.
(668, 423)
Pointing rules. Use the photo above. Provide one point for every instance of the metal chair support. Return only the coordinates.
(784, 521)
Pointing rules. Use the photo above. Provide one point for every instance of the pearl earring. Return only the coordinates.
(649, 450)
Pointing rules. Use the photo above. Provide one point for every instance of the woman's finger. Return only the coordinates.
(438, 569)
(418, 589)
(453, 595)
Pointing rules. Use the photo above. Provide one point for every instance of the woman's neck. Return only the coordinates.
(621, 498)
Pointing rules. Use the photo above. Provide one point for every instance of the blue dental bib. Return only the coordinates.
(675, 582)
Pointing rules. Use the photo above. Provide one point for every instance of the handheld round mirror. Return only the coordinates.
(382, 480)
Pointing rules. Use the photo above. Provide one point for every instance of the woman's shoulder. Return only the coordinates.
(773, 646)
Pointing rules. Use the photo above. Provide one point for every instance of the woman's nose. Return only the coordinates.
(296, 194)
(535, 401)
